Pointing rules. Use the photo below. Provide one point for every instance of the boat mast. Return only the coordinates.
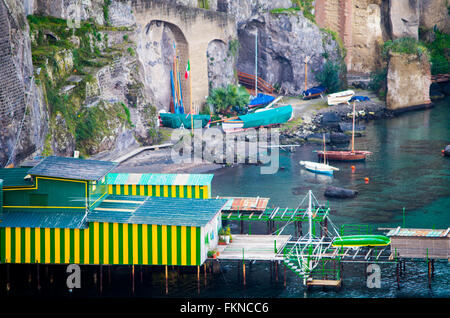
(353, 128)
(256, 63)
(310, 214)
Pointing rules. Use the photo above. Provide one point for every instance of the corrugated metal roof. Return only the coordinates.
(418, 232)
(14, 177)
(159, 179)
(43, 219)
(157, 210)
(72, 168)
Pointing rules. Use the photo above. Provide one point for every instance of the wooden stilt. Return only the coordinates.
(38, 277)
(276, 271)
(198, 279)
(8, 283)
(101, 279)
(285, 275)
(109, 274)
(132, 279)
(429, 273)
(397, 275)
(243, 271)
(167, 279)
(204, 271)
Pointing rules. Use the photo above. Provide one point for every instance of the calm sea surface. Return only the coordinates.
(406, 170)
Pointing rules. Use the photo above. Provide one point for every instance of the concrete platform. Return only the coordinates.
(253, 247)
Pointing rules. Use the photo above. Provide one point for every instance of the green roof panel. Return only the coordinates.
(157, 210)
(72, 168)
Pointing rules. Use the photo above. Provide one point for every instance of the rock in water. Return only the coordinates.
(342, 193)
(339, 138)
(447, 151)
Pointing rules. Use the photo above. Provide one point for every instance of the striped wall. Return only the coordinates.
(172, 191)
(103, 243)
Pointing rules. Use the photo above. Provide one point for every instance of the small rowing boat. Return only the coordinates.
(340, 97)
(318, 167)
(361, 240)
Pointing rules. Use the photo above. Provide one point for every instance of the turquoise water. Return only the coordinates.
(406, 170)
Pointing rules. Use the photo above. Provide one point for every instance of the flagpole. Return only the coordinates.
(190, 93)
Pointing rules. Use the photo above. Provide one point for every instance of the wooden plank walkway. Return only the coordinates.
(324, 282)
(253, 247)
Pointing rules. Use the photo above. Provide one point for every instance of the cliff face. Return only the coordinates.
(23, 115)
(408, 81)
(284, 41)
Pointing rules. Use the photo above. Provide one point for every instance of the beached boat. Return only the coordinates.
(261, 100)
(313, 92)
(176, 120)
(267, 117)
(362, 240)
(340, 97)
(346, 155)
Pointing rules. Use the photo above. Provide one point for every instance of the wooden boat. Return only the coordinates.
(346, 155)
(317, 167)
(340, 97)
(261, 100)
(266, 117)
(313, 92)
(361, 240)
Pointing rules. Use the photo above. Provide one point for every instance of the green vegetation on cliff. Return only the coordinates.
(65, 62)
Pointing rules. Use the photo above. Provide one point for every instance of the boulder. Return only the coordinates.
(342, 193)
(446, 89)
(339, 138)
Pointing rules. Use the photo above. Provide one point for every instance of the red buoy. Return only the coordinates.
(366, 179)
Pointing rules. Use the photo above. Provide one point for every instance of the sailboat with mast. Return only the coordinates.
(317, 167)
(346, 155)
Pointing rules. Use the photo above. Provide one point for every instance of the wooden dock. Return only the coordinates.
(420, 243)
(324, 282)
(254, 247)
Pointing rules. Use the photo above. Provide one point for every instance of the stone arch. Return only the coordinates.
(162, 42)
(199, 28)
(221, 64)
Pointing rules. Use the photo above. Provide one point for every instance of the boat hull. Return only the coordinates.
(338, 155)
(362, 240)
(232, 125)
(339, 98)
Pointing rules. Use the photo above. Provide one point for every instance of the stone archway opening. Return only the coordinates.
(160, 44)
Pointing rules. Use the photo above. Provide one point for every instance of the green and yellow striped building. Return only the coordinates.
(50, 214)
(196, 186)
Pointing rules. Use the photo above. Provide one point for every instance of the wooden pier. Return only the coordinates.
(254, 247)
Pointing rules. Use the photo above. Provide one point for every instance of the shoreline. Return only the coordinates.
(309, 124)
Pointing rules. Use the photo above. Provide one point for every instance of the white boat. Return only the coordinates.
(340, 97)
(318, 167)
(232, 124)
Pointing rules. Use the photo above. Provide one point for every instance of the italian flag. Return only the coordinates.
(188, 69)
